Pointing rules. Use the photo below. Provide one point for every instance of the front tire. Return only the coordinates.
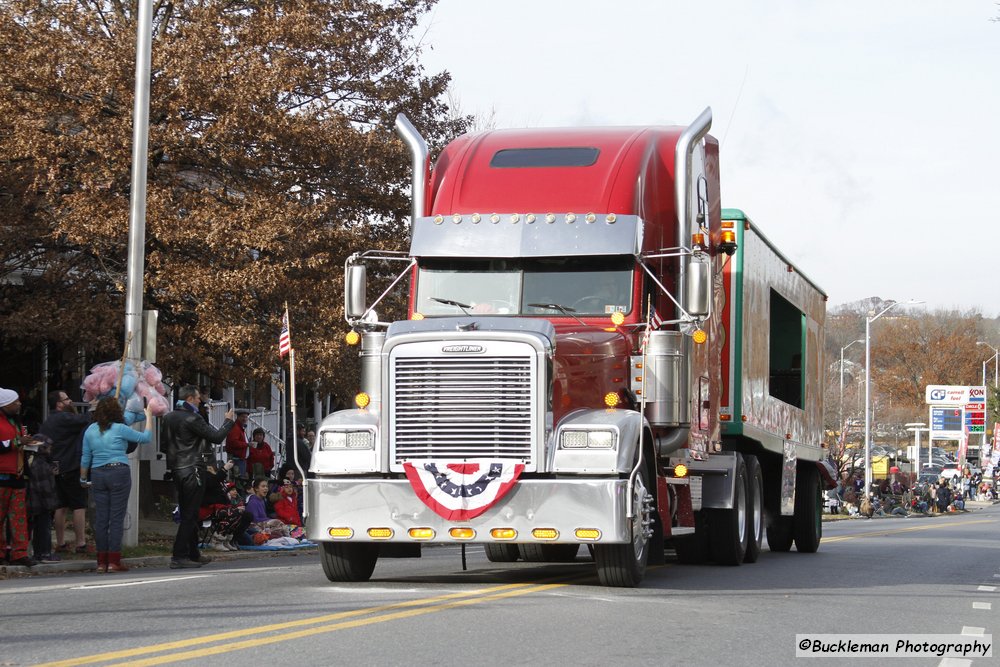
(624, 565)
(502, 553)
(348, 562)
(548, 553)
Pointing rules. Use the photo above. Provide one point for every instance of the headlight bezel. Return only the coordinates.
(347, 440)
(582, 439)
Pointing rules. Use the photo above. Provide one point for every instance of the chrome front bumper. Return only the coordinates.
(565, 505)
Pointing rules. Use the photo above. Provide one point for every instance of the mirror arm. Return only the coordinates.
(359, 322)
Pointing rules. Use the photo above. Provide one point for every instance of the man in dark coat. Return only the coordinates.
(186, 437)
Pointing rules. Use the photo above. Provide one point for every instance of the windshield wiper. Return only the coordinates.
(458, 304)
(565, 310)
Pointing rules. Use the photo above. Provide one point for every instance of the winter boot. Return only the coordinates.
(102, 561)
(115, 562)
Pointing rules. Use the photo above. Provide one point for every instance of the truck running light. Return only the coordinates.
(380, 533)
(698, 240)
(422, 533)
(588, 534)
(361, 399)
(617, 318)
(699, 336)
(476, 218)
(545, 534)
(680, 470)
(611, 399)
(728, 241)
(341, 533)
(417, 316)
(503, 533)
(352, 337)
(462, 533)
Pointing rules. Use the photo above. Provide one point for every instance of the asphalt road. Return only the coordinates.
(890, 576)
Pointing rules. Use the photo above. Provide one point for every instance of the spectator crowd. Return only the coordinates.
(74, 459)
(898, 495)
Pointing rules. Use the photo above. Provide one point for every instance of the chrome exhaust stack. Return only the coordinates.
(421, 163)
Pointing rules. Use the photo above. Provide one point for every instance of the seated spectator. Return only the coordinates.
(257, 507)
(260, 461)
(228, 520)
(286, 507)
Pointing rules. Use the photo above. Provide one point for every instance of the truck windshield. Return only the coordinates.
(588, 285)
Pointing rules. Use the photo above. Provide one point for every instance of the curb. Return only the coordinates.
(12, 571)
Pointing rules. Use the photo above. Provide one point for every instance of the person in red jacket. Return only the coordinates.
(260, 452)
(287, 507)
(13, 481)
(236, 442)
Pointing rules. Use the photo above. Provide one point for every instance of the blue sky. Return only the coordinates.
(861, 136)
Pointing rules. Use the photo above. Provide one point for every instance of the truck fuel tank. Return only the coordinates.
(665, 374)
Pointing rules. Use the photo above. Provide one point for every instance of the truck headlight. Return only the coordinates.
(332, 440)
(580, 439)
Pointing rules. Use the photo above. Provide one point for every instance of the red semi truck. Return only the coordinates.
(596, 354)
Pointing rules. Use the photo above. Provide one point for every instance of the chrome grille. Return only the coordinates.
(458, 407)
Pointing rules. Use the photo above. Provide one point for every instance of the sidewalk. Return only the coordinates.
(166, 528)
(970, 506)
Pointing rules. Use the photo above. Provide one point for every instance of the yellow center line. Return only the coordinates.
(243, 632)
(880, 533)
(308, 632)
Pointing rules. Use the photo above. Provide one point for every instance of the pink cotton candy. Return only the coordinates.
(159, 406)
(152, 375)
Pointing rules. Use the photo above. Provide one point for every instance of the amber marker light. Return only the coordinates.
(361, 399)
(545, 533)
(680, 470)
(421, 533)
(611, 399)
(341, 533)
(462, 533)
(380, 533)
(698, 239)
(352, 337)
(503, 533)
(617, 317)
(417, 316)
(589, 534)
(699, 336)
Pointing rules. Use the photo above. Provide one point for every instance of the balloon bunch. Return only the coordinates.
(138, 381)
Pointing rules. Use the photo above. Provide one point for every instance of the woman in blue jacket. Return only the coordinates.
(105, 466)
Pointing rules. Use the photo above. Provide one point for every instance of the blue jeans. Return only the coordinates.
(112, 484)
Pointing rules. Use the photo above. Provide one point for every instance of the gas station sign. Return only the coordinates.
(956, 410)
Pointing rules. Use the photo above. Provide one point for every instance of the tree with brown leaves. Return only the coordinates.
(271, 158)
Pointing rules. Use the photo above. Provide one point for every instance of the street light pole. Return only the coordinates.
(996, 370)
(842, 379)
(868, 388)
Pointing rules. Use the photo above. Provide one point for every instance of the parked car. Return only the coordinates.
(931, 469)
(951, 471)
(927, 478)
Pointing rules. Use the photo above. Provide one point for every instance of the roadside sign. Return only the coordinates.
(946, 394)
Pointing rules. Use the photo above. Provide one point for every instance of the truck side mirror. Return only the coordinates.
(355, 279)
(698, 299)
